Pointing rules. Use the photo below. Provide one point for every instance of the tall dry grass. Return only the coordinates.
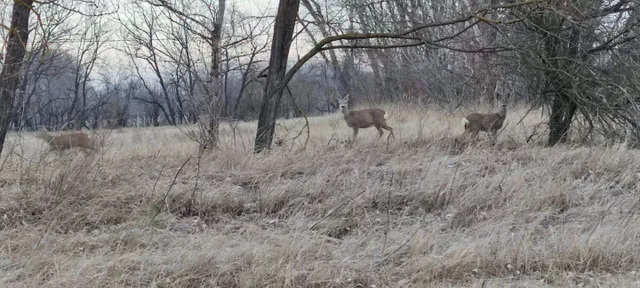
(148, 211)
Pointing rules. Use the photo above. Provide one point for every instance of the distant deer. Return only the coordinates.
(68, 141)
(365, 119)
(490, 123)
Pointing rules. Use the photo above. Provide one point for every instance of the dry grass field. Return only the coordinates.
(147, 211)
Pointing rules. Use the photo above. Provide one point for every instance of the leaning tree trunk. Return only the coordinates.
(10, 75)
(282, 35)
(340, 75)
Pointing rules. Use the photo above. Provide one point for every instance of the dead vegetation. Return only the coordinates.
(428, 211)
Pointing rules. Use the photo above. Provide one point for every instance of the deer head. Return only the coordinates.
(502, 102)
(343, 103)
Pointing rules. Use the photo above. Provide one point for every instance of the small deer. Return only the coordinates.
(490, 123)
(365, 119)
(68, 141)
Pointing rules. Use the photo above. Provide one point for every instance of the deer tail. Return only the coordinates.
(465, 122)
(386, 116)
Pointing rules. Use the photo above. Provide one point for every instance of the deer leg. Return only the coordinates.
(355, 134)
(86, 151)
(494, 136)
(379, 131)
(474, 134)
(463, 135)
(388, 128)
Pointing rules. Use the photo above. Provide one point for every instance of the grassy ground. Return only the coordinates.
(146, 211)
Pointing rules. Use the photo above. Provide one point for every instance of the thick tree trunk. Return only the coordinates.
(215, 99)
(10, 75)
(562, 111)
(282, 35)
(563, 107)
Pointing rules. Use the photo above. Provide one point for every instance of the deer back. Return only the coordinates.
(80, 140)
(44, 136)
(365, 118)
(493, 121)
(484, 122)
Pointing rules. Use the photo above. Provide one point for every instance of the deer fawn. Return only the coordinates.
(68, 141)
(490, 123)
(365, 119)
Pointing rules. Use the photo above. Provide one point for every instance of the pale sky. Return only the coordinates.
(248, 7)
(113, 58)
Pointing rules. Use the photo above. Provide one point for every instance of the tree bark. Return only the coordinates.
(10, 75)
(282, 36)
(215, 99)
(564, 106)
(562, 111)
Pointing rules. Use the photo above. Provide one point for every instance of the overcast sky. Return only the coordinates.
(247, 7)
(115, 59)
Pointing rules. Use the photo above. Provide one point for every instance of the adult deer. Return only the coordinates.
(490, 123)
(68, 141)
(364, 119)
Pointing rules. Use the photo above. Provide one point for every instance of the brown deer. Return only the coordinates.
(68, 141)
(365, 119)
(490, 123)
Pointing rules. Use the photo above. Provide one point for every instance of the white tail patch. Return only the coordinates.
(386, 116)
(465, 122)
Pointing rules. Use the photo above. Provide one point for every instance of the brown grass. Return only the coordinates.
(427, 211)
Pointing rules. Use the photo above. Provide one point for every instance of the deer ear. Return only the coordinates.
(346, 97)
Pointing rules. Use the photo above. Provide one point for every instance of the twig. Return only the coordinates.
(535, 130)
(401, 245)
(386, 230)
(153, 190)
(169, 190)
(446, 192)
(195, 186)
(604, 215)
(629, 215)
(306, 121)
(331, 139)
(334, 210)
(6, 158)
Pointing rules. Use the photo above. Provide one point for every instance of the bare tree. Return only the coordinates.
(142, 32)
(340, 74)
(10, 74)
(43, 52)
(409, 37)
(571, 49)
(276, 81)
(211, 32)
(92, 40)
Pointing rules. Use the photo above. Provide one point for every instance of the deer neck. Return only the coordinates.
(502, 112)
(345, 112)
(46, 137)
